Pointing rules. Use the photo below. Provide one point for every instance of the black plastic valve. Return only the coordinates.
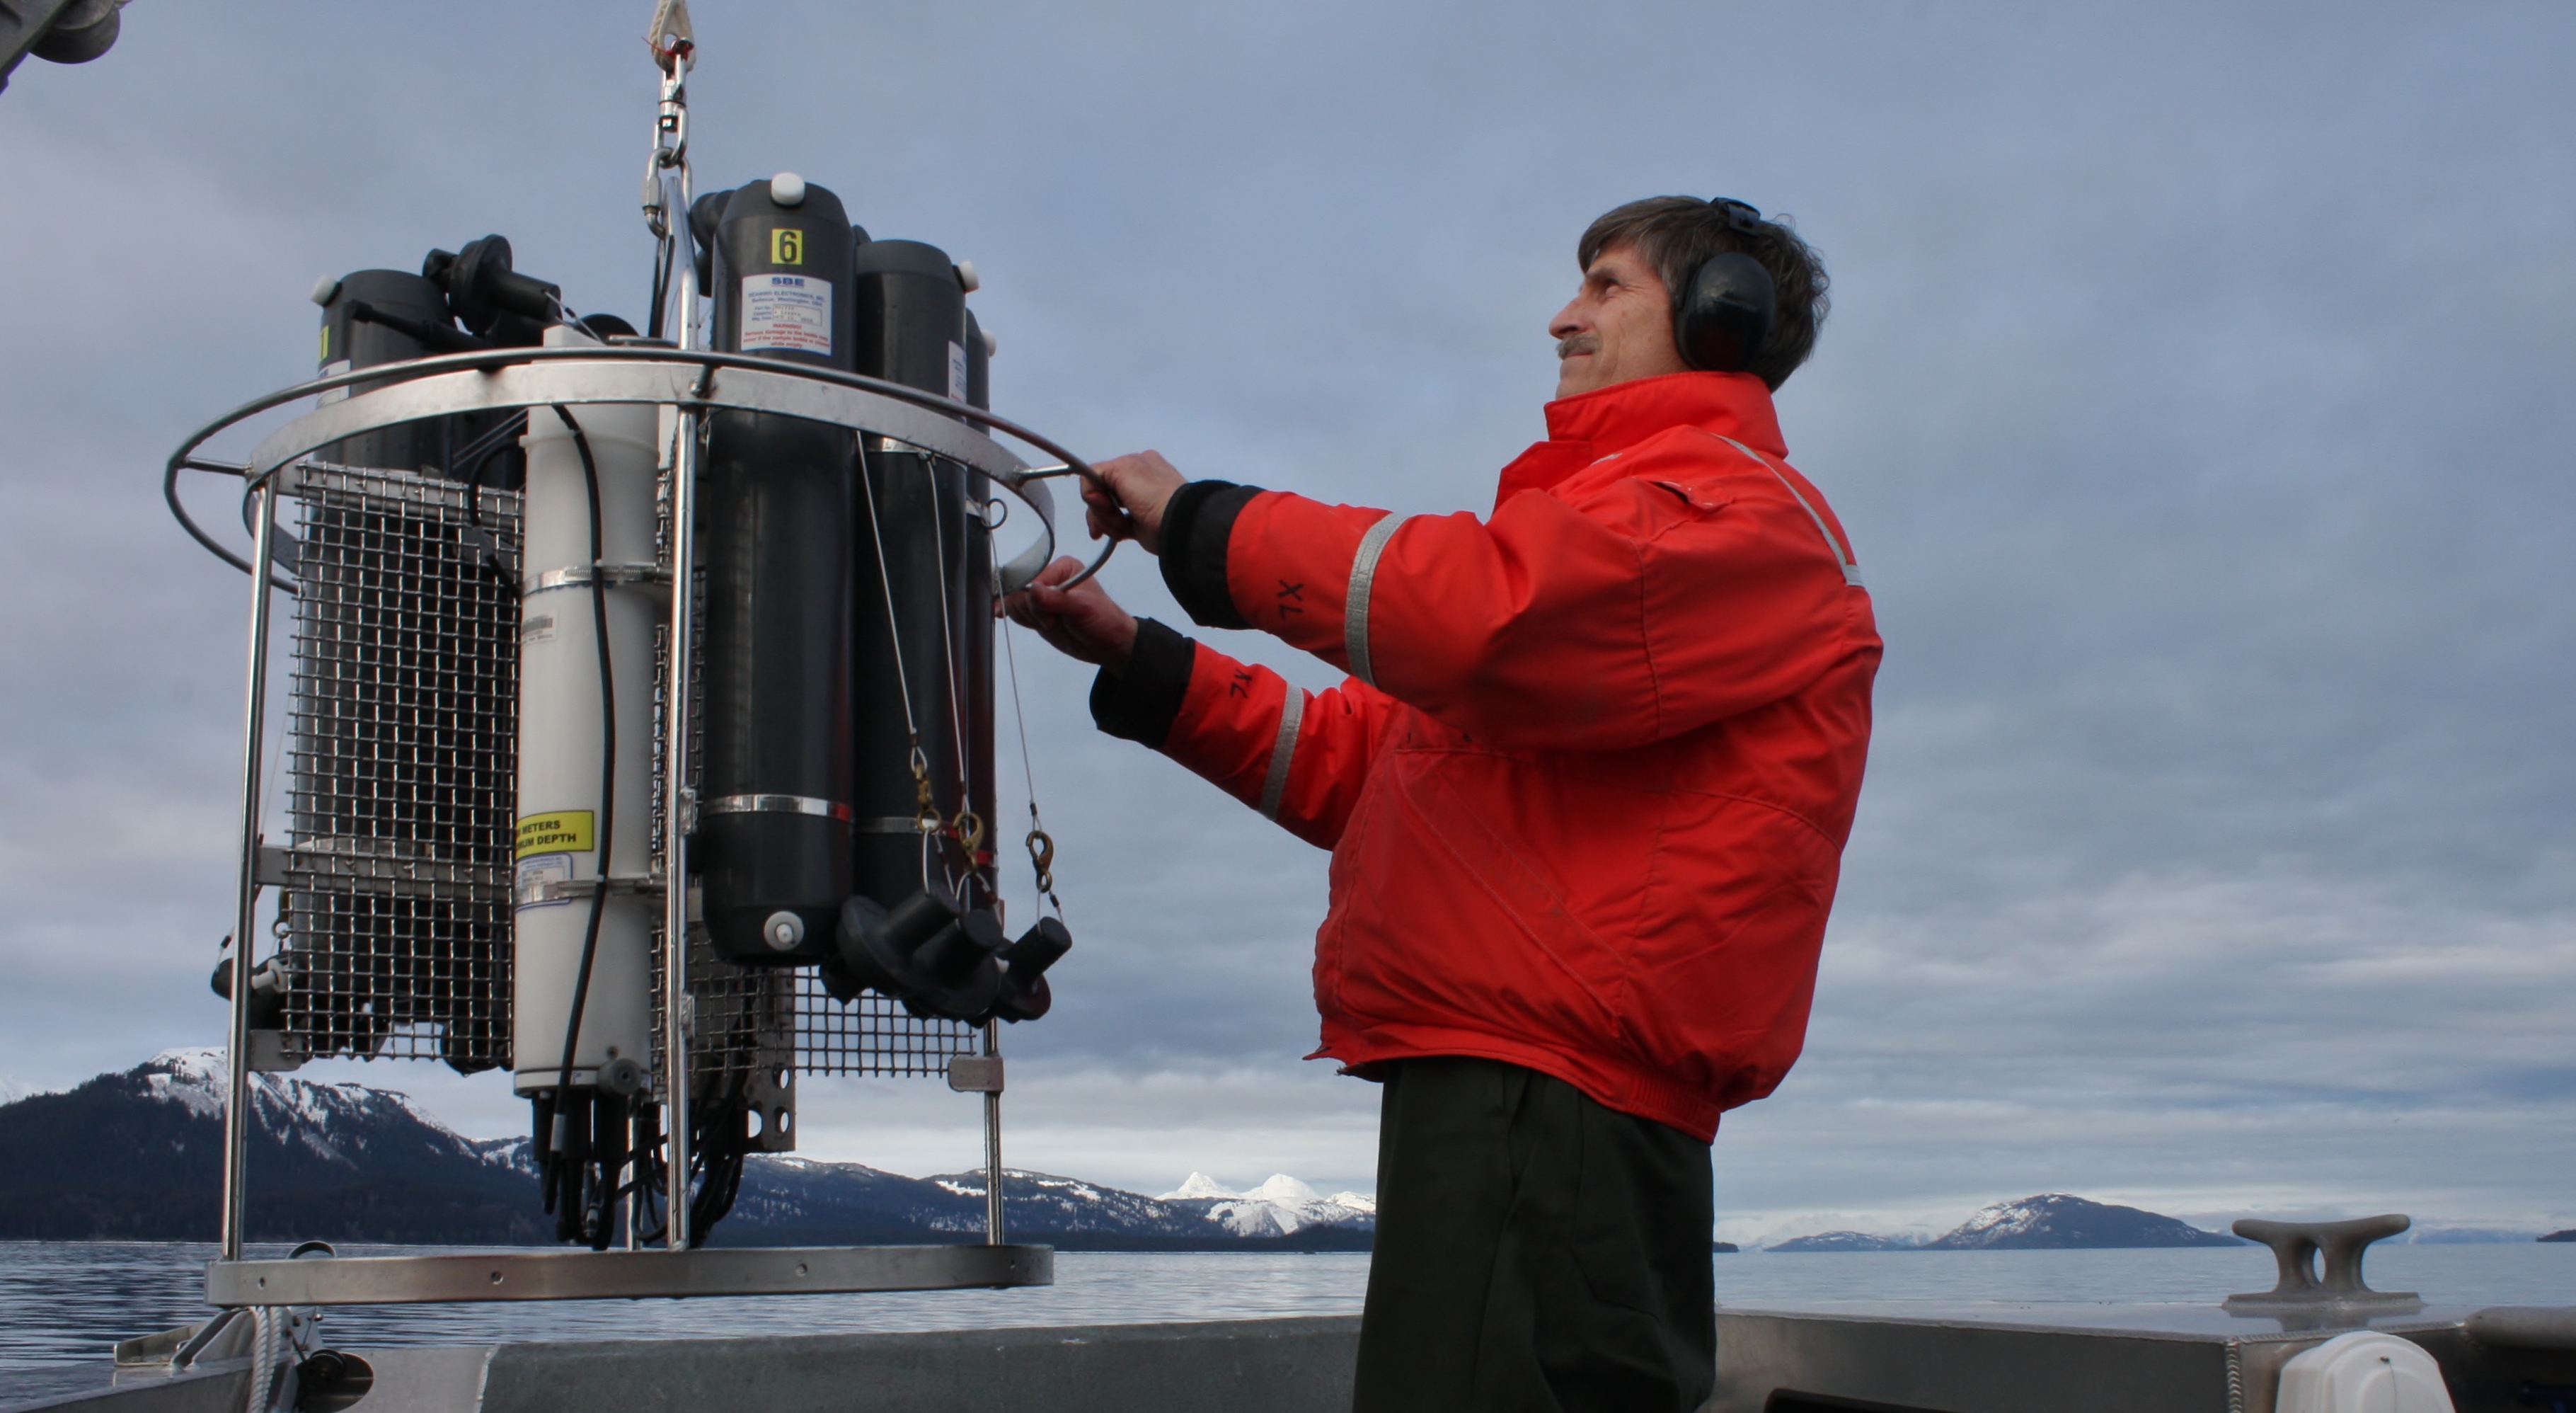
(487, 295)
(1025, 994)
(935, 956)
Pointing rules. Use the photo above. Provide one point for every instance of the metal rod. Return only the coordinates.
(680, 801)
(992, 1147)
(237, 1119)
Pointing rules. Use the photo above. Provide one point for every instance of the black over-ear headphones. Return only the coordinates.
(1723, 316)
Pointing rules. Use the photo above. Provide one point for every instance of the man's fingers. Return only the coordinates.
(1064, 567)
(1041, 599)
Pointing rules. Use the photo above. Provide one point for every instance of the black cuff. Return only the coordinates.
(1197, 525)
(1140, 703)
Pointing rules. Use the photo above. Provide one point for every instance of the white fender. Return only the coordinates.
(2363, 1372)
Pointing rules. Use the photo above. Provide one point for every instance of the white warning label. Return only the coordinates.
(956, 371)
(790, 312)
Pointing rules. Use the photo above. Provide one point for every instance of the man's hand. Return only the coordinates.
(1083, 623)
(1131, 508)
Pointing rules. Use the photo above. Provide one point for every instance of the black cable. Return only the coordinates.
(477, 455)
(721, 1149)
(607, 764)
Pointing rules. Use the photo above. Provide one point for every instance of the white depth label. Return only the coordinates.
(789, 312)
(956, 371)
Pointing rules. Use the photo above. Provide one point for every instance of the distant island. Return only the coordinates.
(2051, 1221)
(2567, 1235)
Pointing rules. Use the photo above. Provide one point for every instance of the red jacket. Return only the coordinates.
(1588, 784)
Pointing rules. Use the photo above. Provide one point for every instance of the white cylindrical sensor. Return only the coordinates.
(560, 740)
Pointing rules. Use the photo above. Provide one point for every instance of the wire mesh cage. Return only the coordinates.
(873, 1035)
(401, 746)
(401, 743)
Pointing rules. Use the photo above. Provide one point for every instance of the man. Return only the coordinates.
(1586, 789)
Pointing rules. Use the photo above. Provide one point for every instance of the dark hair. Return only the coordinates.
(1676, 234)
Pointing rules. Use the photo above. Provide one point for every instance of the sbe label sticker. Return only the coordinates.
(788, 312)
(956, 371)
(786, 246)
(537, 872)
(562, 831)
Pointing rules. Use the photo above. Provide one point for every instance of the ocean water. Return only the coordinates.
(63, 1304)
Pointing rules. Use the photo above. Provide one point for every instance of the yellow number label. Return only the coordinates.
(786, 246)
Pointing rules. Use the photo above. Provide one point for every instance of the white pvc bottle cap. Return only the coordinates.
(787, 189)
(966, 276)
(324, 288)
(992, 345)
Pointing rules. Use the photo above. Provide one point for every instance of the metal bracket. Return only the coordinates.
(557, 890)
(269, 1053)
(975, 1074)
(605, 573)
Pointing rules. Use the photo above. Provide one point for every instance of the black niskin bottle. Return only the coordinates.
(775, 792)
(912, 330)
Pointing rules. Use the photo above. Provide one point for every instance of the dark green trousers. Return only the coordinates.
(1536, 1251)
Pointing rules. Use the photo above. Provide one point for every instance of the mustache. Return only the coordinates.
(1573, 344)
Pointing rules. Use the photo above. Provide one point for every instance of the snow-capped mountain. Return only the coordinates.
(1847, 1241)
(2055, 1220)
(2049, 1221)
(340, 1124)
(1041, 1202)
(1280, 1206)
(136, 1156)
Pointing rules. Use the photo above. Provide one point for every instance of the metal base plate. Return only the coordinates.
(615, 1275)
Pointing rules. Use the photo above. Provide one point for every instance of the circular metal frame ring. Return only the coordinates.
(695, 381)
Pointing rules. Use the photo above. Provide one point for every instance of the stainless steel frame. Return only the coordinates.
(246, 916)
(616, 1275)
(695, 381)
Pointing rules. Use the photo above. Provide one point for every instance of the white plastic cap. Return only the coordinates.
(324, 288)
(783, 930)
(787, 189)
(966, 276)
(992, 345)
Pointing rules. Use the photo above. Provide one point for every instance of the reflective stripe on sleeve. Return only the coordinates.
(1355, 642)
(1851, 570)
(1283, 754)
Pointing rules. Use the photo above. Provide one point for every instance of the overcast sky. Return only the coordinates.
(2196, 394)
